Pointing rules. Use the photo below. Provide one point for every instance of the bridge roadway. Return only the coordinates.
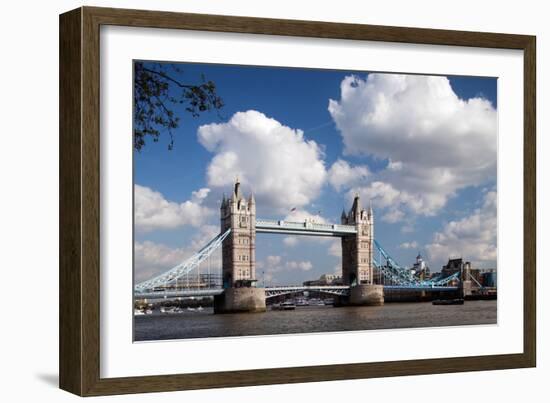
(276, 291)
(303, 228)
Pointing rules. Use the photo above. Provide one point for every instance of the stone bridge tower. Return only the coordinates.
(239, 248)
(239, 256)
(357, 251)
(358, 255)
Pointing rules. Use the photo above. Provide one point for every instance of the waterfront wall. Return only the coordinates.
(418, 296)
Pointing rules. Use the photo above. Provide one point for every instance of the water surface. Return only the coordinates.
(194, 324)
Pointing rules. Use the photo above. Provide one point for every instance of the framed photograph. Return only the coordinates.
(248, 201)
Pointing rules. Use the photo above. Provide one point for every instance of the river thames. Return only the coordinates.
(312, 319)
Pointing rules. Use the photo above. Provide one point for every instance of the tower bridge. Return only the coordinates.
(361, 255)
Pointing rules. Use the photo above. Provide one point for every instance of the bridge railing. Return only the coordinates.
(304, 225)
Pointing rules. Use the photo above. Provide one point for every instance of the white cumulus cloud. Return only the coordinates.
(434, 142)
(278, 163)
(151, 259)
(299, 265)
(291, 241)
(274, 265)
(301, 215)
(342, 175)
(409, 245)
(474, 237)
(335, 248)
(393, 216)
(152, 211)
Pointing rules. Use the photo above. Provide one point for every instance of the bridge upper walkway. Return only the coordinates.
(303, 228)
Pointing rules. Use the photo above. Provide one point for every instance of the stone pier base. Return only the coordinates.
(366, 294)
(243, 299)
(466, 288)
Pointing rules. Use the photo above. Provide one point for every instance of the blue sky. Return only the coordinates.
(421, 148)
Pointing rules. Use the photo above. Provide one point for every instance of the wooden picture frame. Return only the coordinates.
(80, 199)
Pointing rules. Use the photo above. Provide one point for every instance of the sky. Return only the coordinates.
(421, 149)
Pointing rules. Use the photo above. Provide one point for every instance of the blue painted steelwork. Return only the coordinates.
(400, 276)
(393, 275)
(184, 268)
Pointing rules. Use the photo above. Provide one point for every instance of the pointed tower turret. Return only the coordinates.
(343, 217)
(355, 212)
(252, 204)
(370, 213)
(237, 190)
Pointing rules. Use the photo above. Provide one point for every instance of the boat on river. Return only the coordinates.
(316, 302)
(285, 306)
(170, 309)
